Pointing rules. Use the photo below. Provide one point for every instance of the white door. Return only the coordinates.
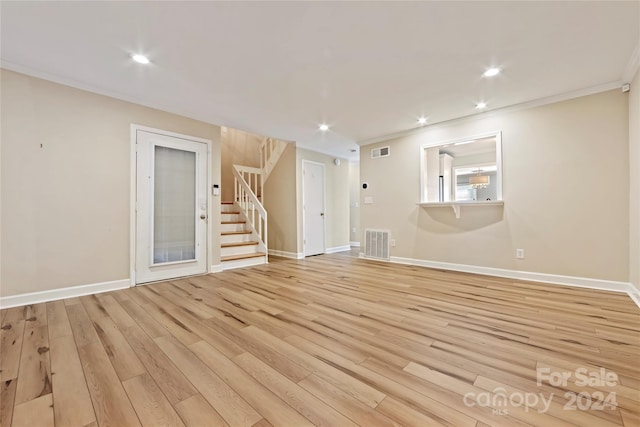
(171, 207)
(313, 206)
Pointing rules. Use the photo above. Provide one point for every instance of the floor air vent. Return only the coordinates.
(376, 244)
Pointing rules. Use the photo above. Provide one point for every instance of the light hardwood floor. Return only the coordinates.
(330, 340)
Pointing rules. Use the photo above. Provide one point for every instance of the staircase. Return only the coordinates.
(240, 246)
(243, 228)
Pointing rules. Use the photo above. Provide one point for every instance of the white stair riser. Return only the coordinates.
(228, 208)
(238, 250)
(232, 227)
(235, 238)
(230, 217)
(239, 263)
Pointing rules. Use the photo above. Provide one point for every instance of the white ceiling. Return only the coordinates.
(369, 69)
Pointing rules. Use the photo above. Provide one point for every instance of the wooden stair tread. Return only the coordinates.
(234, 244)
(227, 203)
(231, 233)
(230, 213)
(242, 256)
(233, 222)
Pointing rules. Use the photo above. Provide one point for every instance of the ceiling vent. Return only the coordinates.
(380, 152)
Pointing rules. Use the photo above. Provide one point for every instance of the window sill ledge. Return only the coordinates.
(456, 205)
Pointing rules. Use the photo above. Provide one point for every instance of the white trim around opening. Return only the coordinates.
(133, 196)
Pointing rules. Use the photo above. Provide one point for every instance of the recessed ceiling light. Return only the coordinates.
(491, 72)
(481, 105)
(323, 127)
(140, 59)
(422, 120)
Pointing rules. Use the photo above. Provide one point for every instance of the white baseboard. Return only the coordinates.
(581, 282)
(62, 293)
(355, 244)
(337, 249)
(284, 254)
(242, 263)
(634, 293)
(216, 268)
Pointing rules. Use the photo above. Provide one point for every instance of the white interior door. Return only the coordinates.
(313, 206)
(171, 207)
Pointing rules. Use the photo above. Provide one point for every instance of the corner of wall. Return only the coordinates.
(634, 182)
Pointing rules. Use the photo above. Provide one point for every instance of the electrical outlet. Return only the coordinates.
(520, 253)
(353, 230)
(393, 243)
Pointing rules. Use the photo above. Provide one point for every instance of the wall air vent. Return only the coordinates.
(376, 244)
(380, 152)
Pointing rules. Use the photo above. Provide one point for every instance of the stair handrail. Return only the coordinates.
(251, 206)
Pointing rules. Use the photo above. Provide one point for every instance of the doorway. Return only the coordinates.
(171, 205)
(313, 205)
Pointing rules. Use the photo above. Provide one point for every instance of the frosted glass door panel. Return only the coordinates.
(174, 206)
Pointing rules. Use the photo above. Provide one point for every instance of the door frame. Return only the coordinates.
(324, 206)
(133, 195)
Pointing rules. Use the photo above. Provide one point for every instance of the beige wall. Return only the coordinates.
(337, 199)
(238, 148)
(280, 203)
(565, 188)
(634, 179)
(354, 202)
(66, 181)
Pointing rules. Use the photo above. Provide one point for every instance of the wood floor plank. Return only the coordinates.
(116, 312)
(73, 406)
(231, 406)
(143, 319)
(110, 402)
(196, 412)
(341, 401)
(312, 408)
(267, 404)
(57, 320)
(93, 306)
(11, 336)
(7, 400)
(122, 357)
(81, 325)
(405, 415)
(353, 386)
(152, 407)
(35, 413)
(382, 382)
(258, 347)
(164, 316)
(168, 377)
(35, 363)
